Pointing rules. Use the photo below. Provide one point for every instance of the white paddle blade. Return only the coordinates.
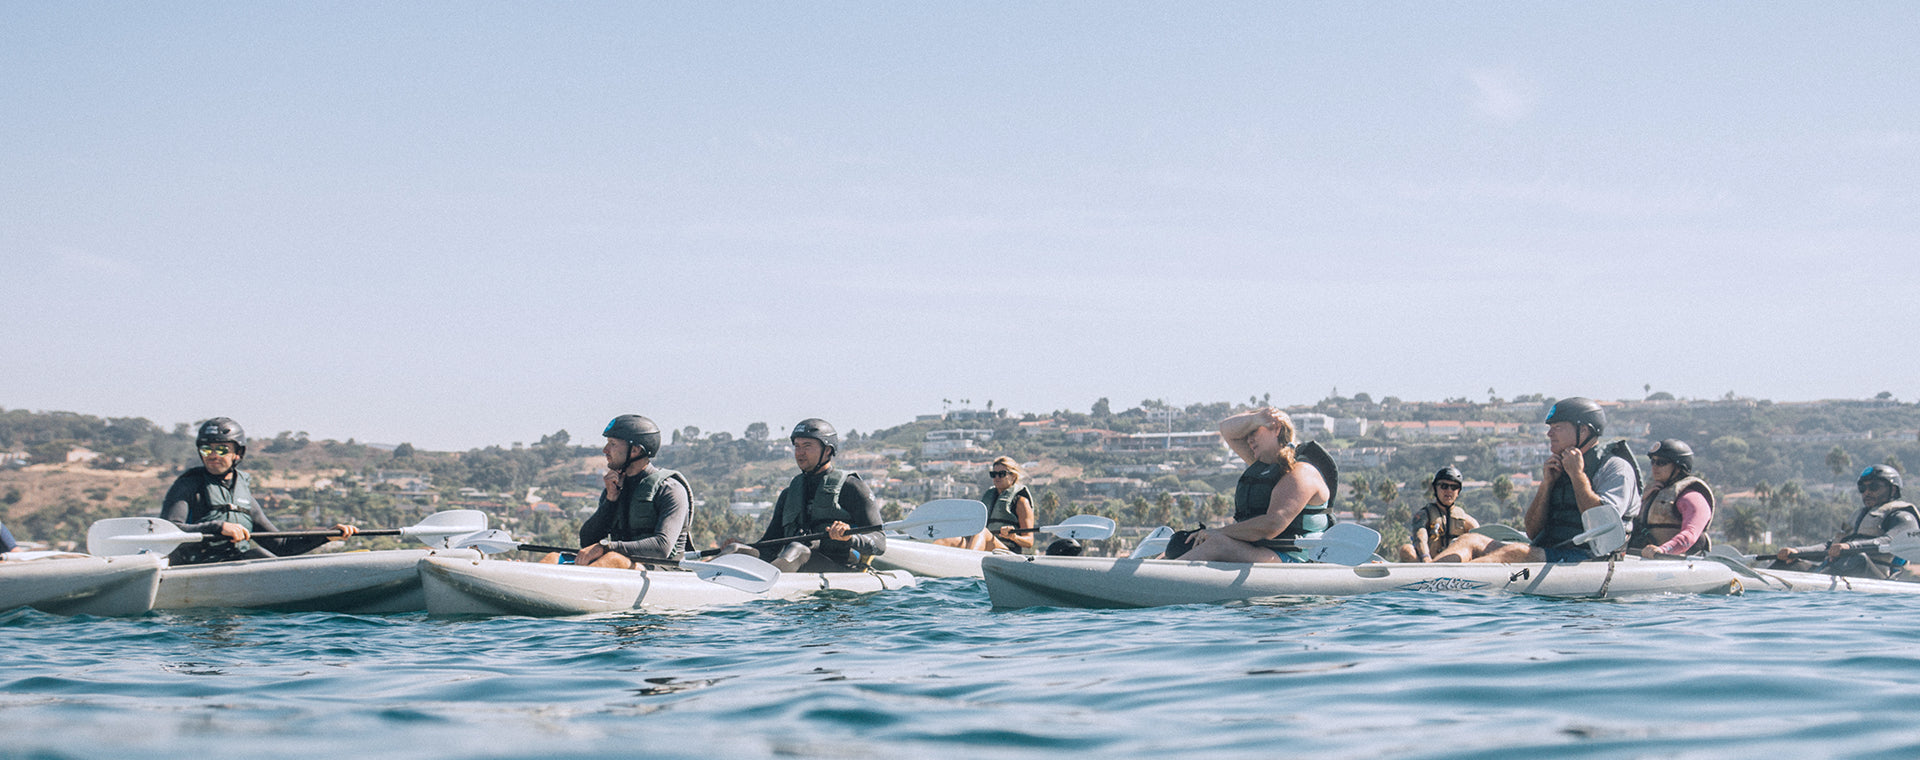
(1343, 544)
(440, 528)
(943, 518)
(1092, 527)
(1604, 532)
(1506, 533)
(117, 536)
(494, 541)
(737, 571)
(1154, 544)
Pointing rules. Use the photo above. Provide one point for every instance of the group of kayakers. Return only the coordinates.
(1589, 505)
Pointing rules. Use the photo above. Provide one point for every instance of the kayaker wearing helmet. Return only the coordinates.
(822, 499)
(1677, 507)
(645, 512)
(1882, 516)
(1009, 508)
(216, 498)
(1577, 477)
(1284, 493)
(1440, 522)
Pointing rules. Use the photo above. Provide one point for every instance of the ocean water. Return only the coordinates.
(932, 672)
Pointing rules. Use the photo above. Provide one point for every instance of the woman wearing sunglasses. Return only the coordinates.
(1009, 511)
(216, 498)
(1440, 521)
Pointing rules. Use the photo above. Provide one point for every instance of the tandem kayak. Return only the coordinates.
(81, 585)
(501, 587)
(1106, 582)
(351, 582)
(933, 560)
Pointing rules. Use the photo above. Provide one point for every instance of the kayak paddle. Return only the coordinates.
(736, 571)
(1154, 544)
(941, 518)
(116, 536)
(1091, 527)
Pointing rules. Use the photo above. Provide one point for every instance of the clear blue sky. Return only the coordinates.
(460, 224)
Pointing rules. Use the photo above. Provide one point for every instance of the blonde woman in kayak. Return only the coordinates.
(1283, 494)
(1009, 512)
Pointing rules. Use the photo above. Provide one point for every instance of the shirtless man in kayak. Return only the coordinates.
(645, 512)
(216, 498)
(1579, 476)
(1284, 493)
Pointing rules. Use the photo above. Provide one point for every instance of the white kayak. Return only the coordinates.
(1014, 582)
(501, 587)
(351, 582)
(81, 585)
(933, 560)
(1760, 579)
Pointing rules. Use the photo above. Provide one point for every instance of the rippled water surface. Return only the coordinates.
(933, 672)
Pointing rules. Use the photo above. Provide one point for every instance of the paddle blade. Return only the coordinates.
(1092, 527)
(737, 571)
(1506, 533)
(1154, 544)
(943, 518)
(494, 541)
(440, 528)
(117, 536)
(1604, 531)
(1343, 544)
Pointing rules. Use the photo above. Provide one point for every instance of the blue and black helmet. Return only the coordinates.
(1883, 473)
(637, 431)
(1580, 411)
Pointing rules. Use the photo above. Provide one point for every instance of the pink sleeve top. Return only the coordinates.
(1694, 514)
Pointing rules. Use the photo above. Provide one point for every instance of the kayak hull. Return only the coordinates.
(368, 582)
(105, 586)
(457, 587)
(1788, 580)
(1104, 582)
(933, 560)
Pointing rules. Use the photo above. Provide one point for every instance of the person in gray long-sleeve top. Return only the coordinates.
(645, 512)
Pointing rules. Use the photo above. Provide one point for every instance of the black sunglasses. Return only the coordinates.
(1000, 473)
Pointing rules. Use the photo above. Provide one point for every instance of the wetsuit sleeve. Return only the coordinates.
(1899, 524)
(858, 501)
(599, 525)
(675, 506)
(1616, 489)
(1694, 515)
(6, 539)
(281, 547)
(774, 522)
(177, 506)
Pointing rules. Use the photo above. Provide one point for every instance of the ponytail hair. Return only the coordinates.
(1283, 425)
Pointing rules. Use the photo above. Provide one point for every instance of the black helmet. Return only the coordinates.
(1881, 472)
(1065, 547)
(819, 430)
(1579, 410)
(1673, 451)
(222, 430)
(637, 431)
(1448, 473)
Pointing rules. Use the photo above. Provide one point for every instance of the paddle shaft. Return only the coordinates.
(317, 533)
(563, 551)
(770, 543)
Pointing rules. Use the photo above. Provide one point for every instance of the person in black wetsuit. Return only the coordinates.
(1860, 548)
(216, 498)
(822, 499)
(645, 513)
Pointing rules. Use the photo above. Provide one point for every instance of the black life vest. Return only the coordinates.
(218, 502)
(640, 518)
(1659, 519)
(1563, 511)
(1253, 495)
(800, 515)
